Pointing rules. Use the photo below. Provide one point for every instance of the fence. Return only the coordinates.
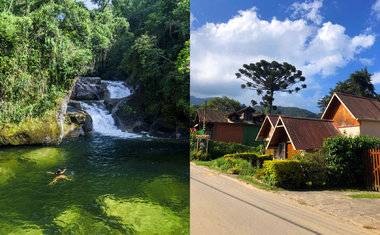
(371, 174)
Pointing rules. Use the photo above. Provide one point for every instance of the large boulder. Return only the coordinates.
(48, 129)
(88, 88)
(77, 123)
(126, 118)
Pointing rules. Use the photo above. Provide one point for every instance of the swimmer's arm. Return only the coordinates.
(49, 172)
(63, 171)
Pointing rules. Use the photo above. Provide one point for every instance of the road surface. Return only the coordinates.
(222, 205)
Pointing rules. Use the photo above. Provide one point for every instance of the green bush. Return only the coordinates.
(315, 168)
(344, 157)
(218, 149)
(253, 158)
(283, 173)
(235, 166)
(199, 156)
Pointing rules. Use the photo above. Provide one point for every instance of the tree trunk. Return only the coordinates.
(271, 102)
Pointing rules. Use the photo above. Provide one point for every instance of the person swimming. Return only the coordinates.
(59, 175)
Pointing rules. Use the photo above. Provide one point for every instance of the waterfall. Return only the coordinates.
(102, 120)
(117, 89)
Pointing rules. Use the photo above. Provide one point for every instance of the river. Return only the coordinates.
(120, 183)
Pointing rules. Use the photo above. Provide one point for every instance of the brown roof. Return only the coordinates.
(304, 133)
(360, 107)
(212, 116)
(268, 123)
(273, 119)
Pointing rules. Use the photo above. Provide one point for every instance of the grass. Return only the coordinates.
(364, 195)
(259, 184)
(245, 174)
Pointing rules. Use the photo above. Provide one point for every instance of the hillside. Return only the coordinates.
(198, 101)
(289, 111)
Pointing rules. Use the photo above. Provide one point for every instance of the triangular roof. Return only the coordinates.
(361, 108)
(303, 133)
(269, 122)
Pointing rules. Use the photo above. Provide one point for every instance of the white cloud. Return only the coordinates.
(376, 78)
(366, 61)
(219, 50)
(308, 10)
(192, 19)
(376, 9)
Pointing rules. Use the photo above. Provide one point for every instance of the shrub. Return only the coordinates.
(218, 149)
(344, 157)
(199, 156)
(235, 165)
(253, 158)
(283, 173)
(315, 168)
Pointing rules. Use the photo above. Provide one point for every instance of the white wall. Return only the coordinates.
(351, 131)
(370, 128)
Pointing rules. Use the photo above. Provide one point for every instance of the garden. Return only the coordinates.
(337, 165)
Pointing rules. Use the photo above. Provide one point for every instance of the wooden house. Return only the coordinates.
(344, 115)
(354, 115)
(295, 134)
(240, 127)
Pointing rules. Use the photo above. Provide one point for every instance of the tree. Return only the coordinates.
(222, 103)
(359, 84)
(267, 78)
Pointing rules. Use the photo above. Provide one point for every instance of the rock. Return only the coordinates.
(88, 88)
(77, 123)
(48, 129)
(75, 104)
(126, 117)
(111, 103)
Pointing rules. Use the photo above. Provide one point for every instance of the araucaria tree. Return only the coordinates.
(267, 78)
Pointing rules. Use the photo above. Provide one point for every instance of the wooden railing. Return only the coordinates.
(371, 174)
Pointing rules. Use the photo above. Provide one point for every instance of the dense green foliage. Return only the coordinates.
(234, 165)
(222, 103)
(344, 157)
(359, 83)
(45, 44)
(219, 148)
(39, 58)
(253, 158)
(283, 173)
(315, 169)
(267, 78)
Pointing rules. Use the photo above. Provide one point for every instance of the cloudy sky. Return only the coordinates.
(327, 40)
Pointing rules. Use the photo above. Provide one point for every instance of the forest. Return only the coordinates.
(46, 44)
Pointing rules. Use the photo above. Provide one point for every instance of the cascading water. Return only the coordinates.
(102, 120)
(117, 89)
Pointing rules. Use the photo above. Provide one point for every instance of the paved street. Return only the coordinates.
(223, 205)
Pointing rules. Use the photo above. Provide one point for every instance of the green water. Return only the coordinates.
(118, 186)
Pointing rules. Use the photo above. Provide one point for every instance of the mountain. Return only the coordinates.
(290, 111)
(198, 101)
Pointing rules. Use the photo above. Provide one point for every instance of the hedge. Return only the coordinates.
(253, 158)
(343, 157)
(284, 173)
(218, 149)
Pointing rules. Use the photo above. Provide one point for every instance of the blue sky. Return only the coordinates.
(327, 40)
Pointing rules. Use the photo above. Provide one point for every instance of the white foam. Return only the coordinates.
(117, 89)
(102, 120)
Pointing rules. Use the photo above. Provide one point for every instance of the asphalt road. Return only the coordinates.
(222, 205)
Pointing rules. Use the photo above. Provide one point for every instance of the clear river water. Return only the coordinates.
(119, 183)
